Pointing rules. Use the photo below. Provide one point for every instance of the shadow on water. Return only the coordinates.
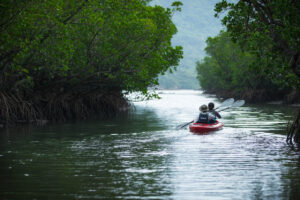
(292, 179)
(87, 160)
(141, 120)
(261, 118)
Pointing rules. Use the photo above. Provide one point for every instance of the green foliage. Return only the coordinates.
(271, 31)
(81, 48)
(177, 5)
(228, 68)
(122, 44)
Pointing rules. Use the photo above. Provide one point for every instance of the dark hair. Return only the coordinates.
(211, 106)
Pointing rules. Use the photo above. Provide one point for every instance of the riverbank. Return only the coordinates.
(19, 110)
(260, 96)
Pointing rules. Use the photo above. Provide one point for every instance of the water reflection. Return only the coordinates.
(142, 156)
(127, 165)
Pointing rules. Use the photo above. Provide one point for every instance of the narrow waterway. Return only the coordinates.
(142, 156)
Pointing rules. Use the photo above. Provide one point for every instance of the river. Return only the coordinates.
(141, 155)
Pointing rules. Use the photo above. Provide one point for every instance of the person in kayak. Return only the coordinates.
(204, 116)
(211, 110)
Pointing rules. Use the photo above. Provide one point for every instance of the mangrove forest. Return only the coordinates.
(257, 57)
(67, 59)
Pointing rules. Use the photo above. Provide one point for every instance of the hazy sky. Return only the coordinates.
(195, 23)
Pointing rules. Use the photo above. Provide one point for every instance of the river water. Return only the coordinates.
(141, 155)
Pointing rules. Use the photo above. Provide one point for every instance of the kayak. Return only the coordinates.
(204, 128)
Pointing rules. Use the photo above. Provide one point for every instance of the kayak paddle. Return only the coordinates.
(183, 125)
(236, 104)
(226, 103)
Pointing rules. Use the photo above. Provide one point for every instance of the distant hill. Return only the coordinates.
(195, 23)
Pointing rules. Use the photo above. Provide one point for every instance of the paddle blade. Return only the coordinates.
(238, 103)
(226, 103)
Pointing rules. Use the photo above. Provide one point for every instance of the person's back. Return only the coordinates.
(212, 111)
(204, 116)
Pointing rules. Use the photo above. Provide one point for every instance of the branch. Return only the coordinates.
(44, 37)
(64, 21)
(10, 20)
(259, 9)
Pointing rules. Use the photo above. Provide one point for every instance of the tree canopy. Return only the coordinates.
(66, 50)
(229, 70)
(270, 30)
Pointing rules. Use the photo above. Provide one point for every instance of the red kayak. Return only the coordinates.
(204, 128)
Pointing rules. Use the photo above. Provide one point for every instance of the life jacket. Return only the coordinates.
(203, 118)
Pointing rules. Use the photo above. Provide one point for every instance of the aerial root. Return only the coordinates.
(293, 135)
(13, 109)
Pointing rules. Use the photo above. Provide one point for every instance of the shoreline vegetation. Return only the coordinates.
(230, 71)
(64, 59)
(261, 96)
(257, 56)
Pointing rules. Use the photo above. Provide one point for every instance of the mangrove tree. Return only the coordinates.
(66, 59)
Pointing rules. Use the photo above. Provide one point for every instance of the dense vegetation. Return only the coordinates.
(268, 32)
(64, 59)
(229, 71)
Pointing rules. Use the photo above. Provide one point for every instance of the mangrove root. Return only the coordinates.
(17, 109)
(293, 135)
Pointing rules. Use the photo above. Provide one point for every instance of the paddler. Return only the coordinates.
(211, 110)
(204, 116)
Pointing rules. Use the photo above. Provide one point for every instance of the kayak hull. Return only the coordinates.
(205, 128)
